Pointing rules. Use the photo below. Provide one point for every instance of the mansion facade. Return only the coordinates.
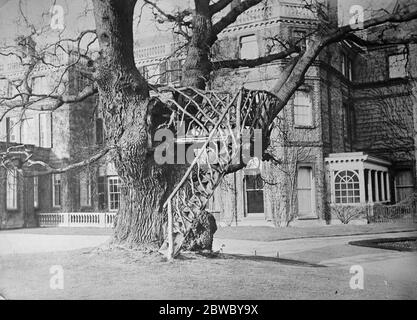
(347, 137)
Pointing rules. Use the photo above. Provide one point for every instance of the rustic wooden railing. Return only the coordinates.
(226, 127)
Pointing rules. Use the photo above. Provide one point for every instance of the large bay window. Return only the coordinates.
(347, 189)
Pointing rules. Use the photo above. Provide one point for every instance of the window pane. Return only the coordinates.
(114, 193)
(346, 190)
(85, 190)
(45, 130)
(39, 85)
(56, 190)
(397, 65)
(36, 192)
(249, 47)
(303, 109)
(11, 187)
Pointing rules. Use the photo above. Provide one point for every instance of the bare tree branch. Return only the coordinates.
(219, 6)
(231, 17)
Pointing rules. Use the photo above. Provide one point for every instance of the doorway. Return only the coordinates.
(305, 192)
(254, 194)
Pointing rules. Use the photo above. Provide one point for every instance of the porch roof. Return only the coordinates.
(356, 160)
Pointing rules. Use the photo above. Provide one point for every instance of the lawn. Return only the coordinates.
(121, 274)
(274, 234)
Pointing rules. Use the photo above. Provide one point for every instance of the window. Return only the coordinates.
(56, 190)
(99, 131)
(254, 193)
(163, 76)
(11, 189)
(347, 187)
(102, 193)
(404, 184)
(346, 66)
(36, 192)
(303, 109)
(114, 193)
(299, 38)
(4, 88)
(45, 130)
(144, 72)
(13, 129)
(249, 47)
(29, 131)
(176, 70)
(82, 81)
(85, 190)
(397, 65)
(39, 85)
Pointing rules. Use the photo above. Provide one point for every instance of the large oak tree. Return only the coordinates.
(131, 115)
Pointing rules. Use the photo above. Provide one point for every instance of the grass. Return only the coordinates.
(252, 233)
(122, 274)
(275, 234)
(400, 244)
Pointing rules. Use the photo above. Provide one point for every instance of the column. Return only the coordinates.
(376, 186)
(362, 185)
(383, 185)
(332, 189)
(370, 193)
(388, 187)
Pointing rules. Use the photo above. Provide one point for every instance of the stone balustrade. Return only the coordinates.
(77, 219)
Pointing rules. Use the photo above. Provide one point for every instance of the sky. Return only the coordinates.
(78, 16)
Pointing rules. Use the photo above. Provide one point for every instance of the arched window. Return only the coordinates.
(347, 187)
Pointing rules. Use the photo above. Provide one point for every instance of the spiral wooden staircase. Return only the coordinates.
(225, 126)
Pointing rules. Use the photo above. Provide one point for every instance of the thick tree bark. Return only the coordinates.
(125, 100)
(128, 115)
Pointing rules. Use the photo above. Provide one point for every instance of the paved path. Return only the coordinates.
(271, 248)
(17, 243)
(392, 266)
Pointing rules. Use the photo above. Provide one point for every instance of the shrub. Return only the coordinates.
(346, 213)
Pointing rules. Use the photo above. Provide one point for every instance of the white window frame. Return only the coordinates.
(36, 192)
(297, 105)
(346, 182)
(14, 129)
(85, 186)
(43, 84)
(110, 183)
(45, 130)
(347, 66)
(54, 185)
(241, 45)
(11, 189)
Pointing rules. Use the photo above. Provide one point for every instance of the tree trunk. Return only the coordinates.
(128, 115)
(124, 98)
(197, 65)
